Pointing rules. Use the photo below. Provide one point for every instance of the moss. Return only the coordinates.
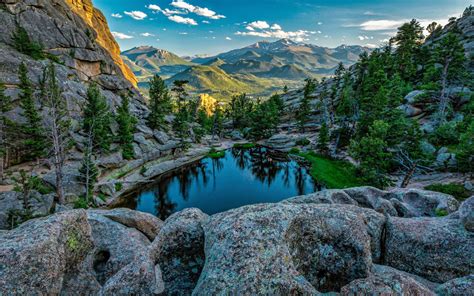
(143, 170)
(118, 186)
(456, 190)
(334, 174)
(81, 203)
(245, 145)
(441, 212)
(213, 153)
(294, 150)
(72, 241)
(303, 142)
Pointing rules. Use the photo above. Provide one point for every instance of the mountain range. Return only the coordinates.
(258, 69)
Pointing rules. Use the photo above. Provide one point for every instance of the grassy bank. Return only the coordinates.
(213, 153)
(456, 190)
(334, 174)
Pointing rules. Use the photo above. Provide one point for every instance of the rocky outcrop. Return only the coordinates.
(466, 214)
(308, 245)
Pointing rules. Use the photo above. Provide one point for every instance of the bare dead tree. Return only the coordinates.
(410, 166)
(57, 124)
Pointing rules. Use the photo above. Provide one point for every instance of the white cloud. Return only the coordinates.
(138, 15)
(276, 27)
(146, 34)
(206, 12)
(228, 38)
(121, 36)
(169, 12)
(183, 33)
(320, 23)
(258, 25)
(381, 25)
(182, 20)
(370, 45)
(206, 22)
(183, 5)
(153, 7)
(117, 15)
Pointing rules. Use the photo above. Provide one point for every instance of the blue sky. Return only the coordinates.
(189, 27)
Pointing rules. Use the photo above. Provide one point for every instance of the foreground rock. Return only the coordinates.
(327, 242)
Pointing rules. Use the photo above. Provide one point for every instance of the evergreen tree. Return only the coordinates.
(181, 123)
(180, 93)
(465, 156)
(240, 110)
(449, 52)
(304, 110)
(5, 123)
(217, 121)
(88, 174)
(23, 43)
(265, 119)
(323, 139)
(35, 143)
(373, 154)
(160, 103)
(57, 126)
(409, 38)
(126, 123)
(97, 119)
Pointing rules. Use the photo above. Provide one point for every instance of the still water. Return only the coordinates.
(242, 177)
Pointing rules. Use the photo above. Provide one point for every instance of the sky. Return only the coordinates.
(192, 27)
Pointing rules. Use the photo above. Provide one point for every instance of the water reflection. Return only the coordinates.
(214, 185)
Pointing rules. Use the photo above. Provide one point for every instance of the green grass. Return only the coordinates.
(245, 145)
(441, 212)
(456, 190)
(213, 153)
(334, 174)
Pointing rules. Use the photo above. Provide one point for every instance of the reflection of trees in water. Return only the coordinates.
(299, 180)
(263, 166)
(286, 175)
(242, 157)
(164, 207)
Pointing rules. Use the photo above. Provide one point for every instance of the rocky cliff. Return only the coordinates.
(358, 241)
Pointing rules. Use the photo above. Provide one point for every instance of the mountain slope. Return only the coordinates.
(147, 60)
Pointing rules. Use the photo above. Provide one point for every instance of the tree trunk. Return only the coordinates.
(408, 176)
(444, 98)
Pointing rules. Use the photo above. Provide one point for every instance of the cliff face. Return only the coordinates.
(96, 20)
(71, 29)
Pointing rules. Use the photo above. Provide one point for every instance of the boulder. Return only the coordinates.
(466, 214)
(372, 198)
(179, 251)
(410, 98)
(437, 249)
(285, 248)
(38, 257)
(161, 137)
(457, 287)
(386, 281)
(281, 142)
(146, 223)
(121, 260)
(41, 205)
(446, 160)
(330, 196)
(410, 111)
(236, 135)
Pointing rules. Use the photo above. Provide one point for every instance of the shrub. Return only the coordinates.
(118, 186)
(294, 150)
(446, 134)
(456, 190)
(81, 203)
(441, 212)
(23, 43)
(213, 153)
(245, 145)
(143, 170)
(303, 142)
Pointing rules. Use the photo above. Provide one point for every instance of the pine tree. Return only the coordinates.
(88, 173)
(160, 103)
(181, 124)
(35, 143)
(23, 43)
(57, 126)
(5, 123)
(449, 52)
(373, 155)
(97, 118)
(304, 110)
(465, 155)
(409, 38)
(126, 123)
(323, 139)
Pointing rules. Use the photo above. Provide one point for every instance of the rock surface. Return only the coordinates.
(466, 214)
(327, 242)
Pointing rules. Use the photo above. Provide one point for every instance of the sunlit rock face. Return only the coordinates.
(95, 19)
(72, 30)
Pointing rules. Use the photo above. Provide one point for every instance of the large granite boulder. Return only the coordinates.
(457, 287)
(438, 249)
(386, 281)
(284, 249)
(38, 257)
(146, 223)
(179, 251)
(281, 142)
(466, 214)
